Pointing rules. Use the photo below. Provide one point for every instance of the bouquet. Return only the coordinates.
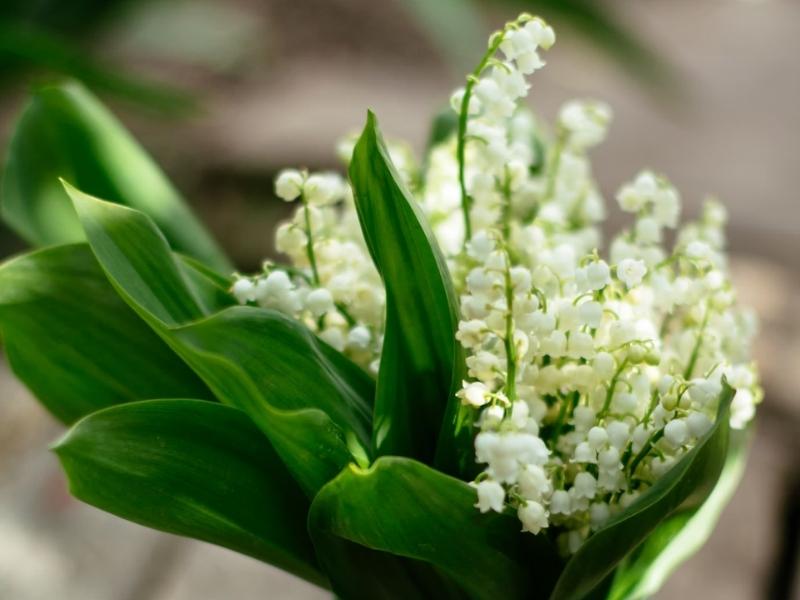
(445, 389)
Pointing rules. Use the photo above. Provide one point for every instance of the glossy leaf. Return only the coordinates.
(65, 132)
(419, 351)
(73, 341)
(312, 402)
(406, 508)
(192, 468)
(678, 538)
(685, 487)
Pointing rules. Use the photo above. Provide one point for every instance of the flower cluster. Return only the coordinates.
(589, 376)
(330, 282)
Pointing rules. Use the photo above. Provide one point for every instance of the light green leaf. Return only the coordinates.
(419, 352)
(193, 468)
(73, 341)
(686, 486)
(644, 572)
(406, 508)
(66, 133)
(312, 402)
(137, 258)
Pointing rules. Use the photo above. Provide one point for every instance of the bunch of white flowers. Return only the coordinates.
(330, 283)
(589, 376)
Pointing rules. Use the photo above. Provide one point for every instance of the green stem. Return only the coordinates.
(511, 351)
(687, 374)
(611, 387)
(463, 117)
(312, 259)
(567, 408)
(552, 172)
(646, 449)
(505, 189)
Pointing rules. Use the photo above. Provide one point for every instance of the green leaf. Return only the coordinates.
(311, 401)
(65, 132)
(211, 289)
(419, 352)
(137, 258)
(193, 468)
(680, 536)
(276, 370)
(406, 508)
(73, 341)
(685, 487)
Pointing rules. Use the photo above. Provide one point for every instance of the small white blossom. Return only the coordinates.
(319, 301)
(490, 496)
(289, 184)
(533, 517)
(630, 271)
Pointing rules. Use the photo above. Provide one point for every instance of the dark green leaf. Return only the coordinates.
(680, 536)
(406, 508)
(65, 132)
(193, 468)
(75, 343)
(312, 402)
(685, 487)
(419, 353)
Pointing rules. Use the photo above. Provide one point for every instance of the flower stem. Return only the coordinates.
(611, 387)
(312, 259)
(463, 117)
(687, 374)
(511, 351)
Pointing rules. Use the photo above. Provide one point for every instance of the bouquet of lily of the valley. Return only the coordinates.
(445, 389)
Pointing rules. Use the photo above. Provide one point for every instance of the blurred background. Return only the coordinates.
(225, 93)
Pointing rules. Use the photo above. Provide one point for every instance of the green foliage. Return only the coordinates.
(305, 463)
(420, 354)
(310, 401)
(431, 518)
(198, 469)
(75, 343)
(66, 133)
(678, 537)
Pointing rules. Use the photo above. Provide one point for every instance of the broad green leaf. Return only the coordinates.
(675, 540)
(66, 133)
(193, 468)
(271, 367)
(403, 507)
(73, 341)
(312, 402)
(419, 352)
(685, 487)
